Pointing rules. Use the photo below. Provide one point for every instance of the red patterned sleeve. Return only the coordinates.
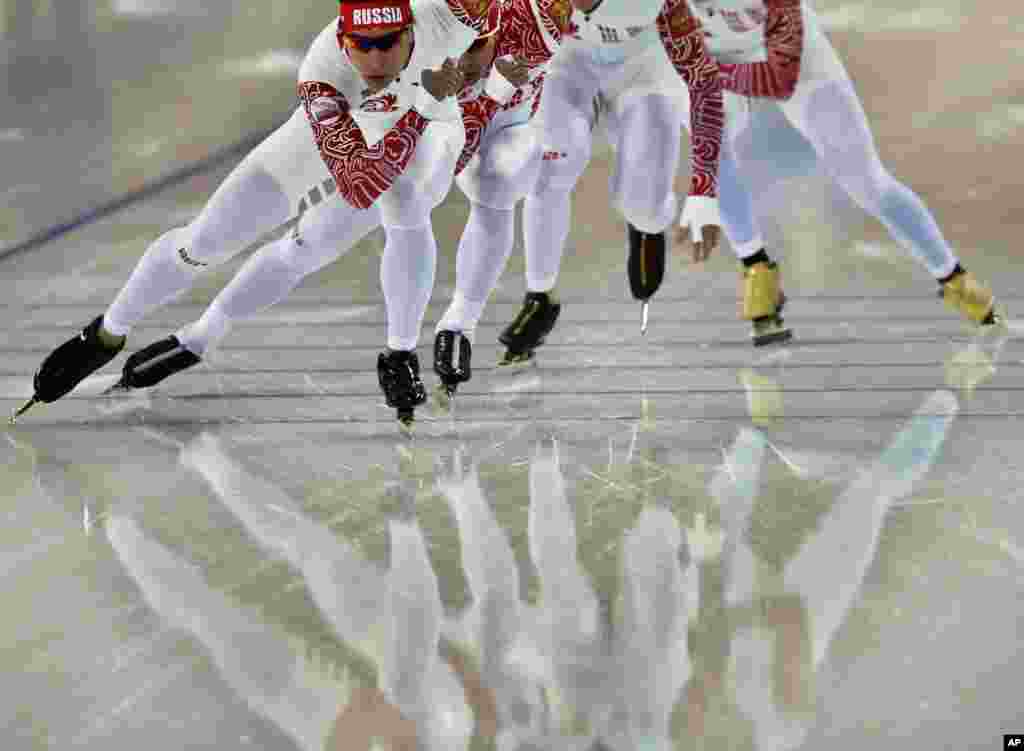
(520, 37)
(683, 39)
(476, 115)
(362, 172)
(528, 37)
(776, 78)
(472, 13)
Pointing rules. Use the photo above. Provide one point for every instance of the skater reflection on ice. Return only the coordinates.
(691, 622)
(765, 637)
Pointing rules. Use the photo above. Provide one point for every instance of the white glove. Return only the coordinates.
(699, 212)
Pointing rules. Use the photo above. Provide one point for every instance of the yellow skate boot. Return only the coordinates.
(972, 299)
(763, 301)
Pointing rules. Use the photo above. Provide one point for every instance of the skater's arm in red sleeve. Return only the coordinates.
(362, 172)
(532, 30)
(526, 35)
(471, 13)
(776, 78)
(476, 116)
(478, 112)
(683, 39)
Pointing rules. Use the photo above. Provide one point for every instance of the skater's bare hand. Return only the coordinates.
(516, 71)
(445, 81)
(700, 249)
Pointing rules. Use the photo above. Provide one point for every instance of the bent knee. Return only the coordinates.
(565, 156)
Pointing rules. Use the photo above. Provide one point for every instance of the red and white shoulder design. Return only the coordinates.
(553, 19)
(615, 22)
(450, 14)
(774, 32)
(471, 13)
(530, 31)
(444, 28)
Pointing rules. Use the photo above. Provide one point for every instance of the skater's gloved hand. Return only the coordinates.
(443, 82)
(699, 226)
(515, 70)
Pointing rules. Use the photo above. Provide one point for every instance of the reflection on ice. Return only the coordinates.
(695, 627)
(255, 659)
(779, 630)
(392, 616)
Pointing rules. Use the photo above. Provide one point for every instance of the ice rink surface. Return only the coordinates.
(667, 542)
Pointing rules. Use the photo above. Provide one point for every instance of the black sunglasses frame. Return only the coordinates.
(382, 43)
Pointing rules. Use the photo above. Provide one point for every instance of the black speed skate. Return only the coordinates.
(71, 363)
(154, 363)
(452, 355)
(529, 329)
(645, 267)
(399, 375)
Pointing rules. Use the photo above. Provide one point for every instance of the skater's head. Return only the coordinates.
(585, 5)
(377, 36)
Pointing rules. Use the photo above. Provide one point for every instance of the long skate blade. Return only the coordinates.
(645, 308)
(23, 409)
(774, 337)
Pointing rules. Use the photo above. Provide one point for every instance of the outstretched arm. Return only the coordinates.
(682, 38)
(776, 78)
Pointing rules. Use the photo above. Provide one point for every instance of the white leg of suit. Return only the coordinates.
(261, 194)
(410, 253)
(502, 172)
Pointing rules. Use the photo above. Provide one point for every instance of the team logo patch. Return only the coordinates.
(324, 109)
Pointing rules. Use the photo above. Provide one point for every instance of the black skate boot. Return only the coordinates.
(452, 354)
(529, 329)
(646, 267)
(71, 363)
(399, 376)
(152, 364)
